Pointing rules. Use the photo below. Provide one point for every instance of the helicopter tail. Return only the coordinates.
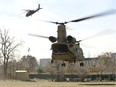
(39, 7)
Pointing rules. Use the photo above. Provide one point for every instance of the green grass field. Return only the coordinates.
(43, 83)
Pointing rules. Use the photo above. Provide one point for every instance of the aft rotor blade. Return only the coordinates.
(35, 35)
(102, 33)
(87, 46)
(97, 15)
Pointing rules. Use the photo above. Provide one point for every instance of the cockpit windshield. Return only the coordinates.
(60, 48)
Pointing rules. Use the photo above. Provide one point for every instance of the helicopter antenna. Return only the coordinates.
(28, 50)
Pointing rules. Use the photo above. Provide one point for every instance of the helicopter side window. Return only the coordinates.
(70, 45)
(79, 51)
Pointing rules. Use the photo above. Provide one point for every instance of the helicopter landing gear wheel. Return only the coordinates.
(69, 61)
(74, 61)
(63, 64)
(81, 64)
(52, 61)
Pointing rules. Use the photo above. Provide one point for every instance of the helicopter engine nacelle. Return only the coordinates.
(52, 39)
(71, 39)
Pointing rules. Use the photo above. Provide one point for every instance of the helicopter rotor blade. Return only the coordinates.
(26, 10)
(49, 21)
(102, 33)
(52, 22)
(86, 46)
(35, 35)
(94, 16)
(105, 13)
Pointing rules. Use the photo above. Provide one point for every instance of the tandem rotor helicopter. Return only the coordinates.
(31, 12)
(65, 47)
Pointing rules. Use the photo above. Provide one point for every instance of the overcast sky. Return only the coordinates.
(12, 17)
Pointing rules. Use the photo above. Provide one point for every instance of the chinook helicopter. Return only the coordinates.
(31, 12)
(65, 47)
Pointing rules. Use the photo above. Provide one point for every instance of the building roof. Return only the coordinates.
(21, 71)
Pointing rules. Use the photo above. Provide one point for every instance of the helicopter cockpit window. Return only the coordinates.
(60, 48)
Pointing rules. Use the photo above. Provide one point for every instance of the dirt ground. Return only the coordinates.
(45, 83)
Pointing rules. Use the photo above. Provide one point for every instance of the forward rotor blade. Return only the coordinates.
(97, 15)
(35, 35)
(52, 22)
(49, 21)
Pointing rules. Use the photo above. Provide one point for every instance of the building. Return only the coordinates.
(21, 75)
(44, 62)
(93, 65)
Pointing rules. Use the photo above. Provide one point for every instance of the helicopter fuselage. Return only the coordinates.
(31, 12)
(67, 52)
(65, 48)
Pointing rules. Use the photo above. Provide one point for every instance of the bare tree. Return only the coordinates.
(93, 65)
(12, 67)
(56, 69)
(8, 47)
(112, 67)
(1, 68)
(28, 62)
(104, 63)
(70, 68)
(82, 72)
(100, 65)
